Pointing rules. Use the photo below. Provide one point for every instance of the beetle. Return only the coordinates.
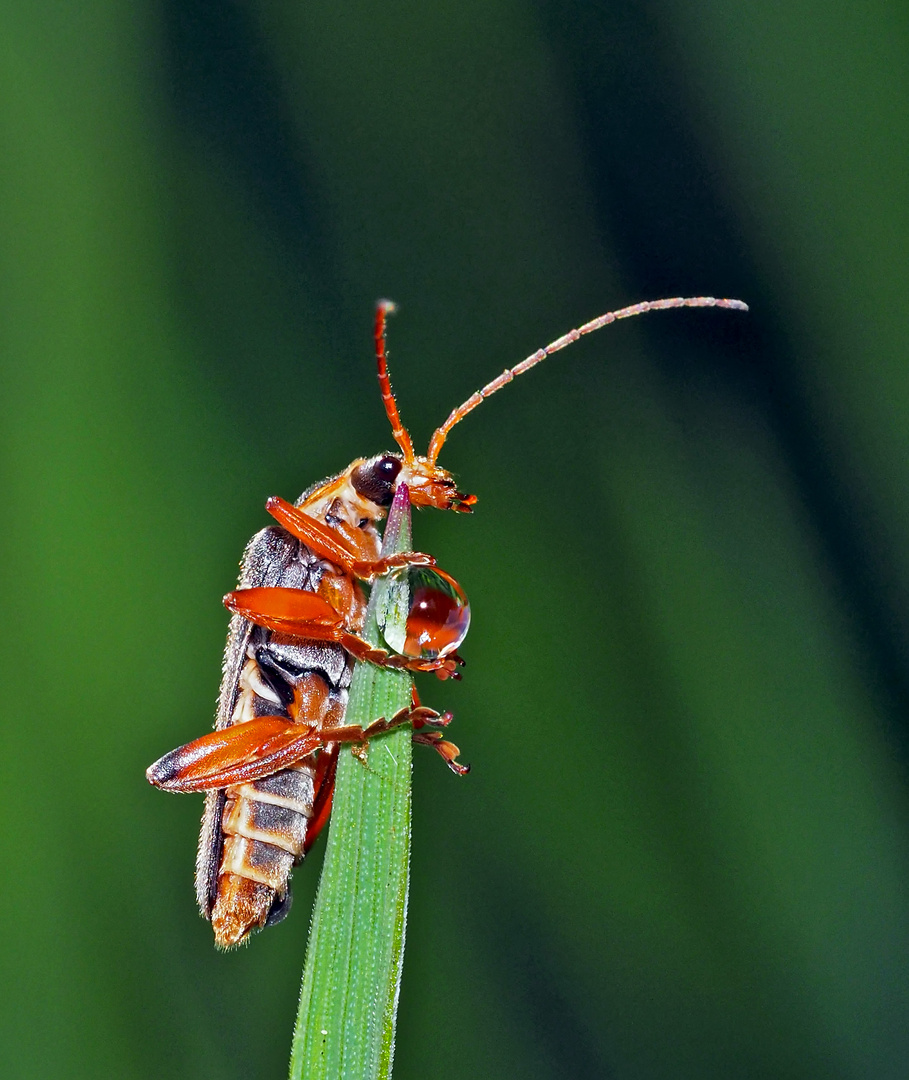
(268, 767)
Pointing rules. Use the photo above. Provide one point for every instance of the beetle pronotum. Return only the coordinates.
(268, 767)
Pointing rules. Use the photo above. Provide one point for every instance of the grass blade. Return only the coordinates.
(351, 978)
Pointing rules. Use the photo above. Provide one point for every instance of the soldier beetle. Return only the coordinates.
(268, 767)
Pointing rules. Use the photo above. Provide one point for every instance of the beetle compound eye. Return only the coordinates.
(438, 614)
(388, 468)
(375, 479)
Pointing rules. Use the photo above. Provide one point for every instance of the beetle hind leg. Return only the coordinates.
(422, 717)
(446, 749)
(427, 725)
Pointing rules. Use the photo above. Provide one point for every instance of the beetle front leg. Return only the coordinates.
(338, 544)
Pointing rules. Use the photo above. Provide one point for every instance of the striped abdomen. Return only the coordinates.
(264, 833)
(259, 829)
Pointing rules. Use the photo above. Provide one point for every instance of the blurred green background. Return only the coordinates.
(682, 851)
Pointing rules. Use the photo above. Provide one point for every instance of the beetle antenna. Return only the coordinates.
(385, 308)
(506, 377)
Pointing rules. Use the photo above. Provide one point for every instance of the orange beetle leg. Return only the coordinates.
(444, 667)
(329, 543)
(326, 767)
(446, 749)
(235, 755)
(316, 535)
(287, 611)
(307, 615)
(368, 571)
(420, 715)
(423, 716)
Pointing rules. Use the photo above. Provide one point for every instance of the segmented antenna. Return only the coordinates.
(385, 308)
(506, 377)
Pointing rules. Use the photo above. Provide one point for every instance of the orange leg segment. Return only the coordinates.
(421, 717)
(261, 747)
(235, 755)
(307, 615)
(326, 767)
(328, 543)
(287, 611)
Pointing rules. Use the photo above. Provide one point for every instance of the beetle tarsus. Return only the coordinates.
(446, 749)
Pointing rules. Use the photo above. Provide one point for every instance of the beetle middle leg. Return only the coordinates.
(309, 616)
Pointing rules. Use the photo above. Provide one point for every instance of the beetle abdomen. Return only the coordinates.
(264, 826)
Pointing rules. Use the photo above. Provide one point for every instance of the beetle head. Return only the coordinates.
(377, 479)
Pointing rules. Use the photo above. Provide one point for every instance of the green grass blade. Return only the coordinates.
(351, 979)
